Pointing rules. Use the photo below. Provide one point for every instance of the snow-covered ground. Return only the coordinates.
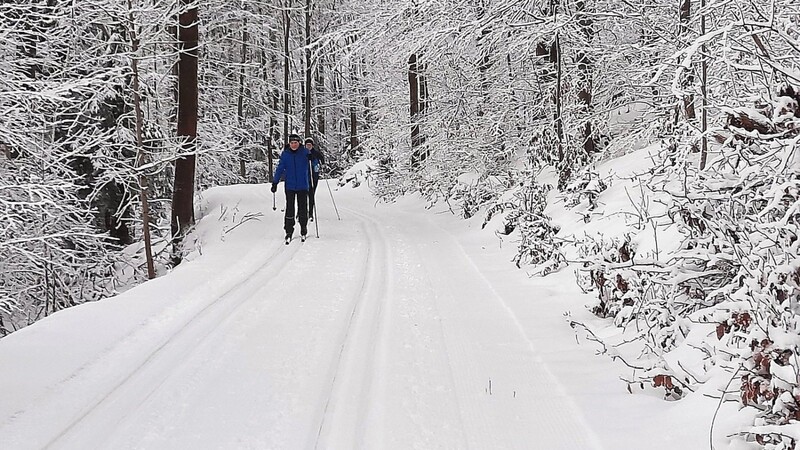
(400, 327)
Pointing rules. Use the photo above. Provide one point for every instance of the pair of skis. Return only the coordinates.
(288, 239)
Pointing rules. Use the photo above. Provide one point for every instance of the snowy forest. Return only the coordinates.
(115, 115)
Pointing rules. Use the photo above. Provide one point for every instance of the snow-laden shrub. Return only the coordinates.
(358, 173)
(730, 292)
(524, 213)
(468, 198)
(587, 185)
(50, 256)
(387, 182)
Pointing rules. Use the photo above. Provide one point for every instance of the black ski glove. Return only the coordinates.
(274, 188)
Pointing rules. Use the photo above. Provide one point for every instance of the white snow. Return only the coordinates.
(399, 328)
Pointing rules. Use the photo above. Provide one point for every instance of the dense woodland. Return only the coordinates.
(115, 114)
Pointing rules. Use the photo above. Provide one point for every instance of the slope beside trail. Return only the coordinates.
(382, 334)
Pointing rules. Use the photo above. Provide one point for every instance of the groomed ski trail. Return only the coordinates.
(357, 370)
(375, 336)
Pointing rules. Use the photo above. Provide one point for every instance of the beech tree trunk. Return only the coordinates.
(183, 190)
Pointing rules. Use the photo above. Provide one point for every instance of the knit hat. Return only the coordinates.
(309, 141)
(295, 137)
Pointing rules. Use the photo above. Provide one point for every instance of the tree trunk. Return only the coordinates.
(183, 190)
(585, 68)
(557, 96)
(688, 99)
(417, 156)
(685, 11)
(140, 157)
(354, 144)
(703, 90)
(320, 93)
(308, 88)
(353, 131)
(364, 73)
(286, 98)
(484, 63)
(269, 78)
(273, 128)
(424, 101)
(240, 103)
(565, 166)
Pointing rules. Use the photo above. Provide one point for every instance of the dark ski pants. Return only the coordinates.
(311, 192)
(302, 208)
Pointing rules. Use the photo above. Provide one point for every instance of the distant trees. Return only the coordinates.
(485, 91)
(552, 79)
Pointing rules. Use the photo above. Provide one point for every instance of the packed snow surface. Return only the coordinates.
(399, 327)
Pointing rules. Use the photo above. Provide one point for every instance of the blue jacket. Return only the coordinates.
(293, 166)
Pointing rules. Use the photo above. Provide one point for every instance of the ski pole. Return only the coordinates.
(334, 201)
(273, 202)
(316, 222)
(311, 195)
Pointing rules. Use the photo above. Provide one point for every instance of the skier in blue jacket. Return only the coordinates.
(293, 168)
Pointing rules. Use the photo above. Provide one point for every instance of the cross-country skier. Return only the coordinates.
(293, 168)
(317, 159)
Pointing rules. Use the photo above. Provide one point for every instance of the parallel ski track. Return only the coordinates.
(352, 384)
(179, 345)
(564, 426)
